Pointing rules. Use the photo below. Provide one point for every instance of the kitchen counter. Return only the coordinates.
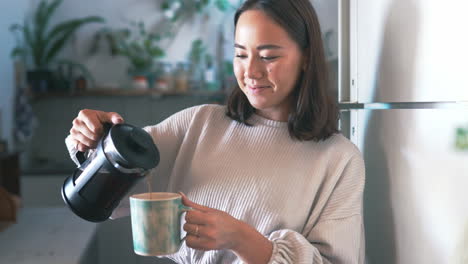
(46, 235)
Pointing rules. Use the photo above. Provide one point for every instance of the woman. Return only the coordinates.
(270, 177)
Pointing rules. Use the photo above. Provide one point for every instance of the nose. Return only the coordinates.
(253, 69)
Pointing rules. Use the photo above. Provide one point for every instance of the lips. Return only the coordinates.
(257, 88)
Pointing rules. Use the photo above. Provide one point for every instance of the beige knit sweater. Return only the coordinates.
(306, 197)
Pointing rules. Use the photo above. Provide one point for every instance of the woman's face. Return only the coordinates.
(267, 64)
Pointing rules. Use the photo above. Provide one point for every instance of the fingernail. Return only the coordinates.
(183, 194)
(117, 120)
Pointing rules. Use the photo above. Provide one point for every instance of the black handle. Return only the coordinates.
(106, 128)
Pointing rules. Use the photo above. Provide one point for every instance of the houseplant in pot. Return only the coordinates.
(39, 43)
(140, 46)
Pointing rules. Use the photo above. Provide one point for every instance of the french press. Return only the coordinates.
(123, 156)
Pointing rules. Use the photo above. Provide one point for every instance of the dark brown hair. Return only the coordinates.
(314, 113)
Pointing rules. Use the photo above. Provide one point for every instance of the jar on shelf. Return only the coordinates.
(165, 79)
(196, 77)
(210, 77)
(181, 77)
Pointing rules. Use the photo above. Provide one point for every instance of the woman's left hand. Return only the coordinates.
(209, 229)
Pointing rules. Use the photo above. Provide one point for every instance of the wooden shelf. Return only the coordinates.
(127, 92)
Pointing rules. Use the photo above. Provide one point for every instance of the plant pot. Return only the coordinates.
(40, 81)
(139, 75)
(140, 82)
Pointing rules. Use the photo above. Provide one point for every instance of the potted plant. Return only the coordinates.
(140, 46)
(38, 43)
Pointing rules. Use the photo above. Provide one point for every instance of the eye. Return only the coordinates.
(269, 58)
(241, 56)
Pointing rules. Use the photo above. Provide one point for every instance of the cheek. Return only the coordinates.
(282, 75)
(274, 73)
(238, 71)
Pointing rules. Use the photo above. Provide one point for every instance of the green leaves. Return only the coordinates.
(41, 18)
(140, 46)
(41, 43)
(222, 5)
(59, 35)
(197, 51)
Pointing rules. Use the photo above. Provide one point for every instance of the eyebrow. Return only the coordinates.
(261, 47)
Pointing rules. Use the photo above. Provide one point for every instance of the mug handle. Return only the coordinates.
(184, 209)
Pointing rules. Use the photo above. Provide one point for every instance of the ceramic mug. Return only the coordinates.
(156, 223)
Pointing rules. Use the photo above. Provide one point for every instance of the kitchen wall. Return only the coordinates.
(117, 14)
(11, 12)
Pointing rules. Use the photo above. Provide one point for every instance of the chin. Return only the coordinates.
(257, 105)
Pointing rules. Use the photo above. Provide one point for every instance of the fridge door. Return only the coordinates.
(416, 196)
(404, 99)
(407, 51)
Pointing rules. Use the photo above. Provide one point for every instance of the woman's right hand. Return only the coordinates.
(87, 127)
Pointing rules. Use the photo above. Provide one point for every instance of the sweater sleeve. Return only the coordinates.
(338, 234)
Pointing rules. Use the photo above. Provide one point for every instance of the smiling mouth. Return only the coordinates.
(258, 88)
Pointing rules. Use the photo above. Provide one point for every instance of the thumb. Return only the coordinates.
(110, 117)
(116, 118)
(195, 206)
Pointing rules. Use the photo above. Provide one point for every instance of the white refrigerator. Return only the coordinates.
(402, 84)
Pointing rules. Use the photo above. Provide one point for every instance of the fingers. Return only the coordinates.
(87, 127)
(208, 228)
(199, 216)
(81, 132)
(193, 229)
(200, 243)
(196, 217)
(84, 142)
(79, 146)
(90, 120)
(109, 117)
(198, 237)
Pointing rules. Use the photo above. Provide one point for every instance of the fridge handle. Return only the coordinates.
(348, 125)
(347, 53)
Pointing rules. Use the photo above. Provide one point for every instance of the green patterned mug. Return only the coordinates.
(156, 223)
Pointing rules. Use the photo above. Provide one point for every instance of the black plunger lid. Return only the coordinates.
(135, 145)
